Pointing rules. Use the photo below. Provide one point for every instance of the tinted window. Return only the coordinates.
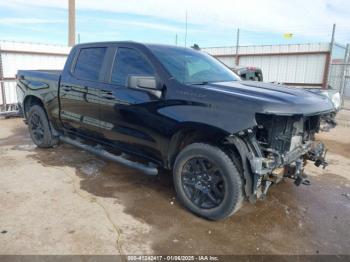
(129, 62)
(89, 63)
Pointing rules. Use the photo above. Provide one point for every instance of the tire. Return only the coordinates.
(191, 181)
(39, 128)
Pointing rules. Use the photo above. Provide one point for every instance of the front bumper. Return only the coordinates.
(311, 150)
(260, 172)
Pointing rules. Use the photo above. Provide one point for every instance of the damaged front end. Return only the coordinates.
(278, 147)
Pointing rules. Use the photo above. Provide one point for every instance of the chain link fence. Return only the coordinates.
(339, 73)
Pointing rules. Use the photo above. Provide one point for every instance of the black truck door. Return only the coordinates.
(130, 119)
(80, 90)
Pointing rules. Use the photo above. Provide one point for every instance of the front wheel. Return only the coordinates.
(207, 181)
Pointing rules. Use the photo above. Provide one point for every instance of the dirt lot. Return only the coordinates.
(66, 201)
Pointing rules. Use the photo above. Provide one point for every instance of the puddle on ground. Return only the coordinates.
(25, 147)
(292, 220)
(92, 167)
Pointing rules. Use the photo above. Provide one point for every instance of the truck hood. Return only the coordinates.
(273, 99)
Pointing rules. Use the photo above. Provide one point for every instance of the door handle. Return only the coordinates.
(108, 96)
(66, 88)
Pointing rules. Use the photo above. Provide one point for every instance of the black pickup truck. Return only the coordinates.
(178, 109)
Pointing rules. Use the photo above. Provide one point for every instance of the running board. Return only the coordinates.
(7, 114)
(149, 170)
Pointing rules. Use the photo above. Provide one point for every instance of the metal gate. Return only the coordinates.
(339, 74)
(347, 81)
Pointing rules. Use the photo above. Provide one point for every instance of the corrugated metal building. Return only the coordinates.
(297, 64)
(15, 56)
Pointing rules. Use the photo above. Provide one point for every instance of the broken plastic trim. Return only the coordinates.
(255, 166)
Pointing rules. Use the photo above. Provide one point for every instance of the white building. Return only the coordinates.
(28, 56)
(297, 64)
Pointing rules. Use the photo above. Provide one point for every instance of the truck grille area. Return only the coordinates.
(285, 133)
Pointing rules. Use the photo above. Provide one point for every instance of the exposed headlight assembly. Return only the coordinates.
(336, 100)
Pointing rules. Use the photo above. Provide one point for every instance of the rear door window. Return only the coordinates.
(129, 61)
(89, 63)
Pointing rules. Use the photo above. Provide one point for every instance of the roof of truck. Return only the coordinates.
(130, 43)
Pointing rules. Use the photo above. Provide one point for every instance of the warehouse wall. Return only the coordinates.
(295, 64)
(27, 56)
(290, 69)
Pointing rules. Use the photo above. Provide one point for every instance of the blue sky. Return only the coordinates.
(210, 23)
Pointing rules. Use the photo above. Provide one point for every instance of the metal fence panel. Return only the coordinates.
(16, 56)
(347, 87)
(8, 95)
(335, 75)
(296, 64)
(10, 92)
(266, 49)
(290, 69)
(17, 61)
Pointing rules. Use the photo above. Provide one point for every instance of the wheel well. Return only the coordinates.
(204, 134)
(29, 101)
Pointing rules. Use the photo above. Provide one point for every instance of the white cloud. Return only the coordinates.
(150, 25)
(297, 16)
(27, 21)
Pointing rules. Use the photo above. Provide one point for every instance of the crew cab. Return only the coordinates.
(154, 107)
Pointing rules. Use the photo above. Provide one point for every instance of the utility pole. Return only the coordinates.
(328, 61)
(186, 31)
(176, 39)
(71, 22)
(332, 41)
(237, 44)
(343, 81)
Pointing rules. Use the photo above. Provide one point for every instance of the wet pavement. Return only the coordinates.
(66, 201)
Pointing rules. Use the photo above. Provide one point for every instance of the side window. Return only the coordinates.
(129, 62)
(89, 63)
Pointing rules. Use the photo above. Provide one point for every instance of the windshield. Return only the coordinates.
(191, 66)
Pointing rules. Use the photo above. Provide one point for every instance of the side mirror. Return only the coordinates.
(142, 82)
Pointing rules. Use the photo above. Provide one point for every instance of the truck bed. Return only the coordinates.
(52, 75)
(42, 84)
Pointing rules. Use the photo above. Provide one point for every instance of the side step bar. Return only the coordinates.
(7, 114)
(149, 170)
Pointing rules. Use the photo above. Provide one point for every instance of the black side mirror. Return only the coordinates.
(142, 82)
(145, 83)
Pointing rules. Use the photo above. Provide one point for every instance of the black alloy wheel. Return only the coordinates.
(36, 127)
(39, 127)
(203, 183)
(207, 181)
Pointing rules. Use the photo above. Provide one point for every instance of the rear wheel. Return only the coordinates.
(207, 181)
(39, 128)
